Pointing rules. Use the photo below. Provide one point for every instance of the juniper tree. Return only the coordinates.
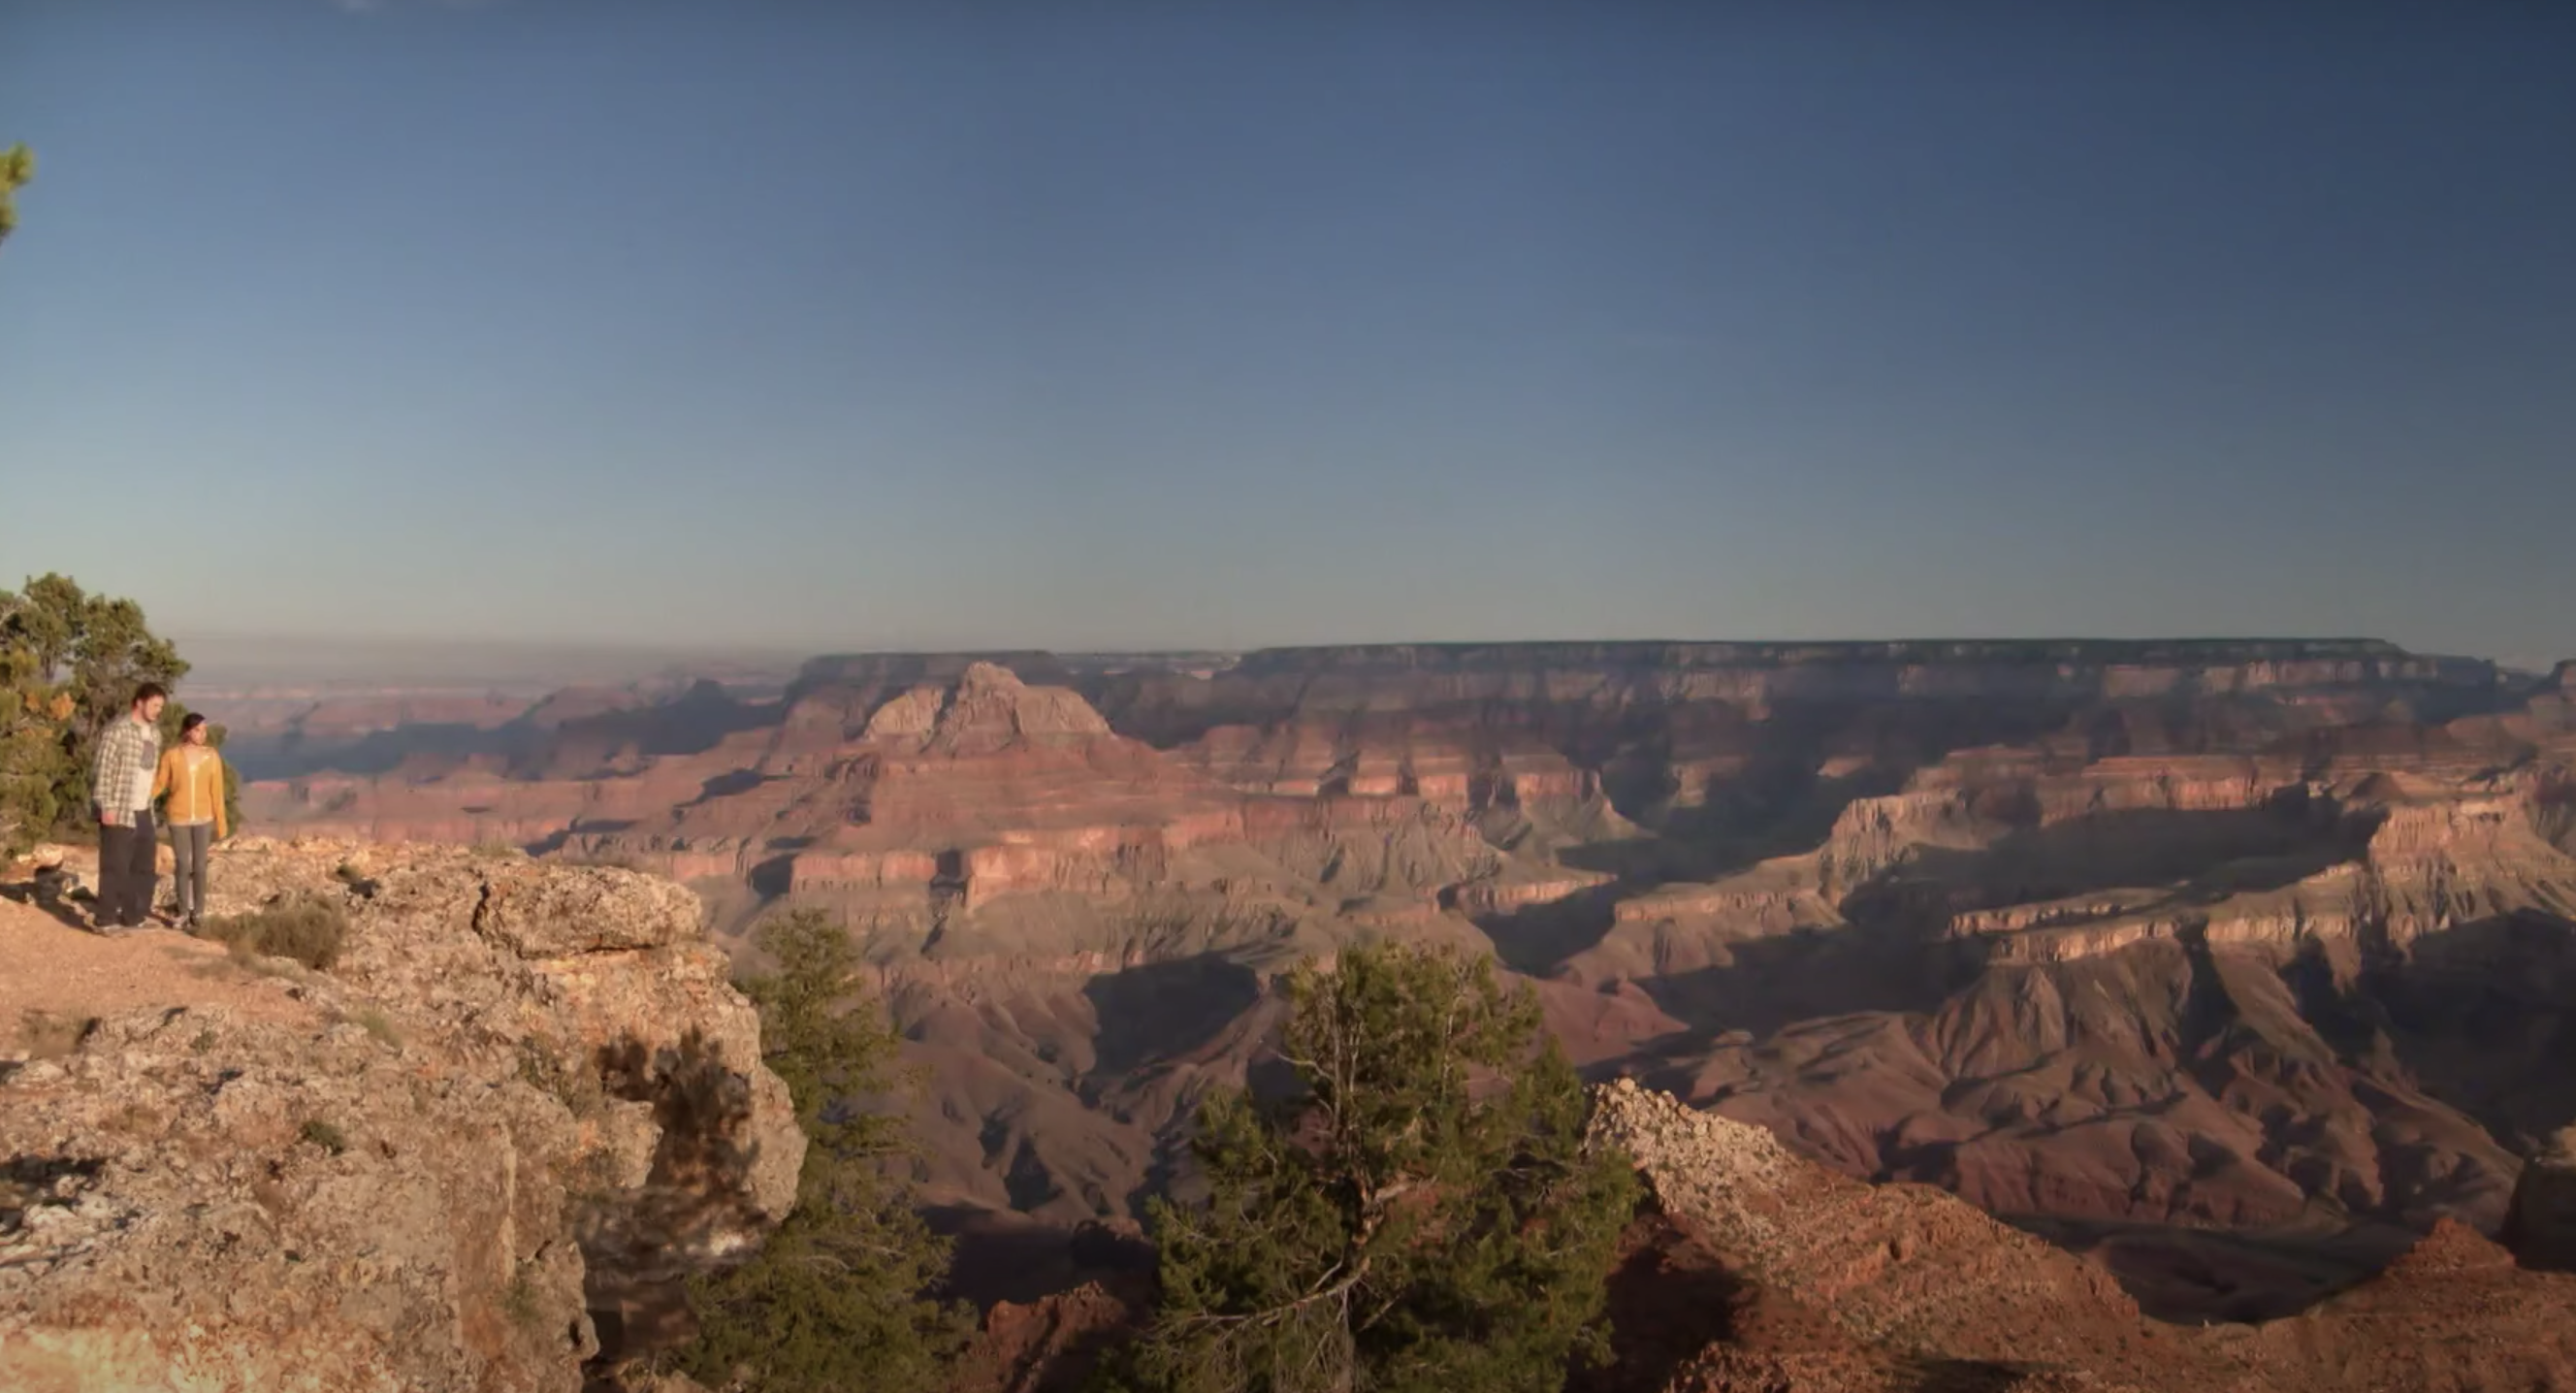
(1420, 1216)
(835, 1298)
(17, 170)
(69, 664)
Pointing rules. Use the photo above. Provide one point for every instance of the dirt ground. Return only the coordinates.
(56, 975)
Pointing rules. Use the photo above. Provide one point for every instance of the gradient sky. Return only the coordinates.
(1085, 325)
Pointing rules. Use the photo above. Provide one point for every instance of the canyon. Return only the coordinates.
(2232, 968)
(477, 1151)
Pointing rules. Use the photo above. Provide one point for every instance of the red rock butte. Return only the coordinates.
(2232, 965)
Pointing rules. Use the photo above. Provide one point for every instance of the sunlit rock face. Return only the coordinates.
(2173, 934)
(452, 1161)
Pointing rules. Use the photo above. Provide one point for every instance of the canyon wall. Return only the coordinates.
(2231, 933)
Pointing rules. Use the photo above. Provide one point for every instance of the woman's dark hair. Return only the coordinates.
(193, 720)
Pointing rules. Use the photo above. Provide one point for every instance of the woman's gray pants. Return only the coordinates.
(188, 843)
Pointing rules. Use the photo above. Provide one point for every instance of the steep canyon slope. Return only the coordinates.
(2128, 942)
(1809, 1281)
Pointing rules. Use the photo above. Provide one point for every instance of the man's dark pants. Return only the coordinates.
(127, 871)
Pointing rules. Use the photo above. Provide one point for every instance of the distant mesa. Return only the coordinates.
(2131, 941)
(914, 669)
(1421, 657)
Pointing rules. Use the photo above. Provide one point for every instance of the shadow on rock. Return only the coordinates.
(1971, 1376)
(1669, 1299)
(29, 1183)
(997, 1256)
(2482, 1016)
(1810, 973)
(2205, 855)
(1165, 1009)
(694, 1212)
(57, 892)
(1534, 939)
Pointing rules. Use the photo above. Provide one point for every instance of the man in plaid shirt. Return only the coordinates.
(121, 795)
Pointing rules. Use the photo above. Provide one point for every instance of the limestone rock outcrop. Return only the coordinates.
(202, 1204)
(455, 1160)
(1896, 1265)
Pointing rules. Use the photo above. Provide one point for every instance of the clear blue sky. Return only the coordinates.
(1136, 324)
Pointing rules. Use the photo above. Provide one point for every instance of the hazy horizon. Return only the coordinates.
(235, 659)
(905, 327)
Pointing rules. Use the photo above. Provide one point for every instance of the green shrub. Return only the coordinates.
(1421, 1218)
(324, 1135)
(835, 1298)
(308, 930)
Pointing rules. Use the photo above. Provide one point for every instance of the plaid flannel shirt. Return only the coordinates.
(127, 755)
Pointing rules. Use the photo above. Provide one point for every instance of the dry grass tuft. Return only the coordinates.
(310, 931)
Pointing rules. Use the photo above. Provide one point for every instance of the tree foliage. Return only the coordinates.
(69, 664)
(17, 171)
(835, 1299)
(1422, 1217)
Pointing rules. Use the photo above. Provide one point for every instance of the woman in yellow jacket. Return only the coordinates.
(193, 775)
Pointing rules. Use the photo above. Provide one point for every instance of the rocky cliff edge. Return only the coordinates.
(522, 1102)
(1839, 1286)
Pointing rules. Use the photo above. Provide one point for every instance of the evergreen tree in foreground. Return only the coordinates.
(1422, 1219)
(834, 1299)
(69, 664)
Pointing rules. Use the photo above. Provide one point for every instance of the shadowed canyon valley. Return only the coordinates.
(2232, 967)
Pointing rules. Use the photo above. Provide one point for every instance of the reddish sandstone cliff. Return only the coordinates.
(2241, 934)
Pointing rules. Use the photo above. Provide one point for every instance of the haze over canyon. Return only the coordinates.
(2233, 965)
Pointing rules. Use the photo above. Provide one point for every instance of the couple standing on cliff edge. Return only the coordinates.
(132, 774)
